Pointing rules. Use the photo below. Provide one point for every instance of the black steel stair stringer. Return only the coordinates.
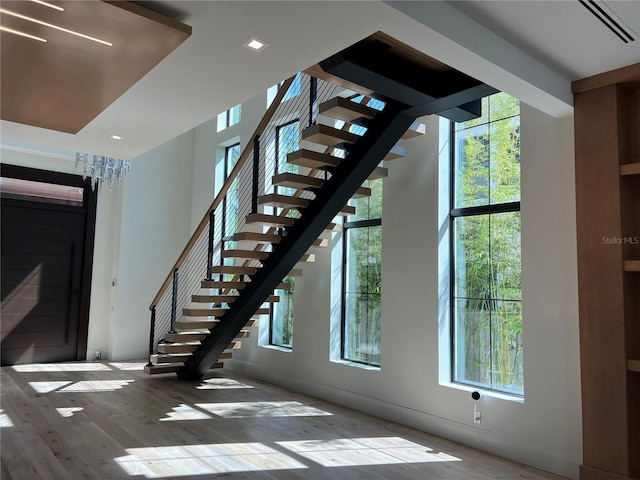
(364, 156)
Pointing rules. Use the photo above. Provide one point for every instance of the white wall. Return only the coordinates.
(545, 429)
(155, 226)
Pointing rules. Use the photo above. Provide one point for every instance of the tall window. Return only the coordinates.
(281, 331)
(485, 249)
(231, 201)
(229, 117)
(362, 279)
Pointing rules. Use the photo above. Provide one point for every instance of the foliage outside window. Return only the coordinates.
(362, 281)
(229, 117)
(486, 264)
(281, 318)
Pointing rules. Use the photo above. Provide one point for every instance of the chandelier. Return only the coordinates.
(102, 169)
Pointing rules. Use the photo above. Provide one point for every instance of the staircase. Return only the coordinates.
(343, 145)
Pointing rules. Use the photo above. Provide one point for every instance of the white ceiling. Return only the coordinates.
(543, 46)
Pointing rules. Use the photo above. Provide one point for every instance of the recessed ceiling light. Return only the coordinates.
(116, 137)
(255, 44)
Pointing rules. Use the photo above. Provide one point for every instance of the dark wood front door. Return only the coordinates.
(44, 249)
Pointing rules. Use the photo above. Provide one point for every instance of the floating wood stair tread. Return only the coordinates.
(225, 356)
(234, 269)
(415, 130)
(243, 334)
(254, 322)
(262, 311)
(248, 254)
(283, 286)
(295, 180)
(204, 312)
(217, 365)
(379, 172)
(213, 298)
(197, 324)
(320, 242)
(347, 210)
(169, 357)
(222, 284)
(362, 192)
(396, 152)
(269, 220)
(256, 237)
(311, 159)
(630, 169)
(178, 347)
(234, 346)
(346, 110)
(333, 227)
(185, 337)
(631, 265)
(329, 136)
(308, 258)
(158, 369)
(282, 201)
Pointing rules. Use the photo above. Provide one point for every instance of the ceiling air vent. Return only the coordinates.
(610, 20)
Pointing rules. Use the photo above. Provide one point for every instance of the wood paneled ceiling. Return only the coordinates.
(63, 83)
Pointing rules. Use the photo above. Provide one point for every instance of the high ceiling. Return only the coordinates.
(540, 47)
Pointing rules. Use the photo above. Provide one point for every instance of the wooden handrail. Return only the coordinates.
(244, 156)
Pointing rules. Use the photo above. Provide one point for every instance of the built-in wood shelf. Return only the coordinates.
(631, 265)
(630, 169)
(633, 365)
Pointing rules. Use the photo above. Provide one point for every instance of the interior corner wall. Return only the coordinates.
(543, 431)
(154, 228)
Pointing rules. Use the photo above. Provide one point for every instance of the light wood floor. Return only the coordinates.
(110, 420)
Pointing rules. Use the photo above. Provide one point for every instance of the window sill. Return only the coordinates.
(485, 393)
(277, 348)
(357, 365)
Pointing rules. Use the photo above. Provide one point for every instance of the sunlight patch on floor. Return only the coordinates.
(5, 421)
(365, 451)
(46, 387)
(96, 386)
(206, 459)
(185, 412)
(137, 366)
(261, 409)
(68, 412)
(60, 367)
(221, 384)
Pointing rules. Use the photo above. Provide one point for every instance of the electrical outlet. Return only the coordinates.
(476, 417)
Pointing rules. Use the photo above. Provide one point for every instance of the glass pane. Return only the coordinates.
(282, 317)
(506, 334)
(362, 328)
(234, 114)
(471, 257)
(506, 264)
(356, 264)
(368, 208)
(374, 260)
(472, 341)
(41, 192)
(503, 105)
(505, 161)
(471, 168)
(294, 89)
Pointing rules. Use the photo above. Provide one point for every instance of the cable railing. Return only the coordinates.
(294, 108)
